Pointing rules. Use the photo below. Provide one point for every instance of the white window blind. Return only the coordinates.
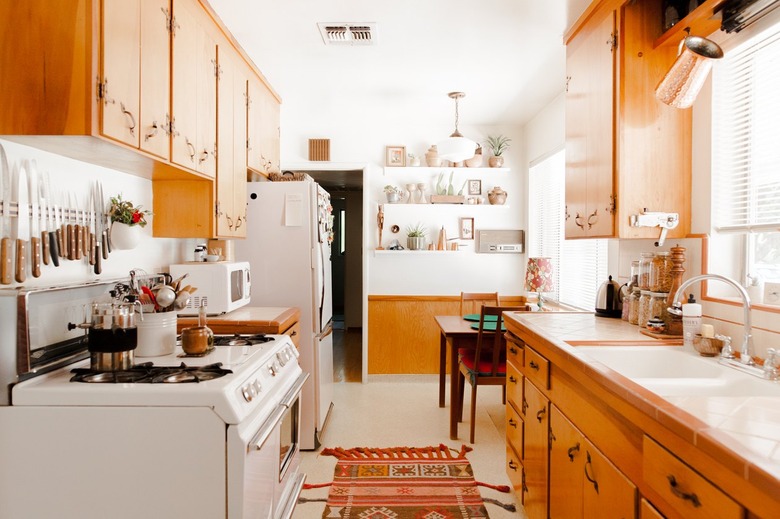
(580, 265)
(746, 147)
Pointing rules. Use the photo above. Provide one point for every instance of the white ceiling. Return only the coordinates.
(506, 55)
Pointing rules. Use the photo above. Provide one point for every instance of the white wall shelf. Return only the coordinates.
(397, 171)
(407, 252)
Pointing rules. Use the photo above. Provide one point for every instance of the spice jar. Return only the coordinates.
(629, 295)
(661, 272)
(633, 306)
(644, 308)
(645, 264)
(658, 305)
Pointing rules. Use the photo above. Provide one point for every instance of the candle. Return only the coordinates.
(707, 330)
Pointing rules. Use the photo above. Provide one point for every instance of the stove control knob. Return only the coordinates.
(253, 390)
(247, 394)
(257, 386)
(282, 358)
(272, 370)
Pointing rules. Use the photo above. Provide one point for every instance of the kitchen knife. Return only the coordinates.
(59, 222)
(71, 228)
(103, 222)
(6, 259)
(85, 219)
(35, 239)
(95, 229)
(51, 223)
(22, 222)
(43, 212)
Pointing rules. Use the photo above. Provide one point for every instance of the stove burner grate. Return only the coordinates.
(240, 340)
(147, 373)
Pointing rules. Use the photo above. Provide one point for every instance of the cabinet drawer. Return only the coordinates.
(648, 511)
(682, 489)
(514, 469)
(294, 332)
(515, 349)
(514, 387)
(537, 368)
(514, 430)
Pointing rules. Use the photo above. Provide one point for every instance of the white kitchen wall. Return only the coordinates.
(72, 177)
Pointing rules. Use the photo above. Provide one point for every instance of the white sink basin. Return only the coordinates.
(670, 371)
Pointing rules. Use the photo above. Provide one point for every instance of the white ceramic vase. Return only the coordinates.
(125, 237)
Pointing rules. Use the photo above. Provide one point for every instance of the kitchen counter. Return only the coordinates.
(732, 441)
(249, 319)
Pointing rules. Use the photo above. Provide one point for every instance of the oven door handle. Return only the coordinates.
(278, 413)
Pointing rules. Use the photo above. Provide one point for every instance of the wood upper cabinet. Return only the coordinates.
(625, 150)
(135, 73)
(194, 89)
(263, 120)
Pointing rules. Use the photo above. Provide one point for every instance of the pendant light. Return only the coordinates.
(456, 147)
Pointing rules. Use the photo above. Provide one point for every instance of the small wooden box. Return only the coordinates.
(319, 149)
(447, 199)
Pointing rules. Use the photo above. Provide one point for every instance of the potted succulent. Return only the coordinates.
(415, 237)
(498, 145)
(394, 194)
(126, 223)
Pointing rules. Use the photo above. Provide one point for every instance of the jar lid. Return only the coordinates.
(659, 294)
(662, 253)
(645, 292)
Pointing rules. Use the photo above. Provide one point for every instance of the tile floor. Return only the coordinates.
(393, 411)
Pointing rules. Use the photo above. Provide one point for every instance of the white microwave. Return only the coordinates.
(222, 286)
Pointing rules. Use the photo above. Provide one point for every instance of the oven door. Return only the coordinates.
(264, 460)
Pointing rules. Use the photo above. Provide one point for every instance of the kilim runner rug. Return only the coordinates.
(404, 483)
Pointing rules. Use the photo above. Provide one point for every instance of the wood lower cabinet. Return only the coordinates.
(607, 493)
(648, 511)
(535, 450)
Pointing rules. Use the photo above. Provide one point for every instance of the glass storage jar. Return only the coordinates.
(629, 294)
(645, 263)
(658, 305)
(661, 272)
(644, 308)
(633, 306)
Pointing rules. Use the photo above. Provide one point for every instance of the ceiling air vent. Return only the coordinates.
(348, 33)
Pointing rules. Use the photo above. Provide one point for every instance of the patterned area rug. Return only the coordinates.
(404, 483)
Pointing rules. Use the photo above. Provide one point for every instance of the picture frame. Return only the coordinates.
(395, 156)
(467, 228)
(475, 187)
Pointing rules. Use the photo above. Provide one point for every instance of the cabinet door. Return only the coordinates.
(607, 493)
(121, 70)
(263, 144)
(590, 131)
(566, 467)
(535, 451)
(155, 77)
(194, 90)
(231, 155)
(648, 511)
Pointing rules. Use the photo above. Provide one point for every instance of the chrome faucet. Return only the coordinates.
(746, 353)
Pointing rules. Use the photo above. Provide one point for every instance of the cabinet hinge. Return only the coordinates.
(173, 25)
(217, 212)
(568, 78)
(102, 92)
(248, 145)
(613, 41)
(612, 204)
(248, 100)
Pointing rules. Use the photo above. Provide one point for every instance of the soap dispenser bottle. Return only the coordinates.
(691, 319)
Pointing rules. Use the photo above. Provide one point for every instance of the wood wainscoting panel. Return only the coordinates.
(403, 337)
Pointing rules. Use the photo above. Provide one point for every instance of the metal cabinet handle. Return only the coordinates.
(685, 496)
(594, 214)
(533, 365)
(513, 350)
(192, 149)
(512, 379)
(512, 423)
(540, 414)
(229, 222)
(129, 114)
(587, 476)
(513, 465)
(204, 156)
(578, 221)
(572, 450)
(153, 132)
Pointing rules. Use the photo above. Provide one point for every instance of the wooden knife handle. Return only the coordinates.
(54, 247)
(21, 260)
(92, 248)
(98, 260)
(84, 240)
(78, 244)
(70, 240)
(62, 234)
(6, 257)
(45, 253)
(35, 256)
(104, 245)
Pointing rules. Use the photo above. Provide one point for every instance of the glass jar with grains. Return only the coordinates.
(633, 306)
(644, 308)
(661, 272)
(658, 305)
(645, 263)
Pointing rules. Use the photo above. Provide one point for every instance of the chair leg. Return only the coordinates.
(461, 390)
(473, 410)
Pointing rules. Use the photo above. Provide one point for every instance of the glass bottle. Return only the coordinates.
(633, 310)
(645, 263)
(661, 272)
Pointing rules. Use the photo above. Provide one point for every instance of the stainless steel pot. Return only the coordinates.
(609, 300)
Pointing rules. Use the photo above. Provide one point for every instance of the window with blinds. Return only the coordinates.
(746, 150)
(579, 265)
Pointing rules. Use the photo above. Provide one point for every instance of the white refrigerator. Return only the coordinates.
(289, 232)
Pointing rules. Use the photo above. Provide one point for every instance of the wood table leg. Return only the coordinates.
(442, 367)
(454, 390)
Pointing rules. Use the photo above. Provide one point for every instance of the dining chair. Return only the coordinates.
(471, 301)
(486, 364)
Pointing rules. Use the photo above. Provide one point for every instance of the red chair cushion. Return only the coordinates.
(485, 366)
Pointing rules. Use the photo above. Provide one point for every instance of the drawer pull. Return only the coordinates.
(572, 451)
(685, 496)
(534, 365)
(512, 379)
(512, 423)
(513, 350)
(587, 476)
(513, 465)
(540, 414)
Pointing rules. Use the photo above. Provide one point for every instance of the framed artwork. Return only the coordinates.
(467, 228)
(396, 156)
(475, 187)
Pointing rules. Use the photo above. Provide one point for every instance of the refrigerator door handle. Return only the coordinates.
(327, 331)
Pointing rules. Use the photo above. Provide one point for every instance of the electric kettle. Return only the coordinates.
(609, 300)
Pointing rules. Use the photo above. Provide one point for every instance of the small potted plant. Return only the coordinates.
(498, 145)
(126, 223)
(414, 160)
(394, 194)
(415, 237)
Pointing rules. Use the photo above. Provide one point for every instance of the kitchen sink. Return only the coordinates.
(670, 371)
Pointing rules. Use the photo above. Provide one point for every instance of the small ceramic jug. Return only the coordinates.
(497, 196)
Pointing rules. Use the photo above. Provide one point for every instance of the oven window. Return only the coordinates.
(288, 432)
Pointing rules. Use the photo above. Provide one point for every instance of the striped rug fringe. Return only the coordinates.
(439, 452)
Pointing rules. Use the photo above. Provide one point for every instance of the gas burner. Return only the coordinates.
(184, 355)
(240, 340)
(147, 373)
